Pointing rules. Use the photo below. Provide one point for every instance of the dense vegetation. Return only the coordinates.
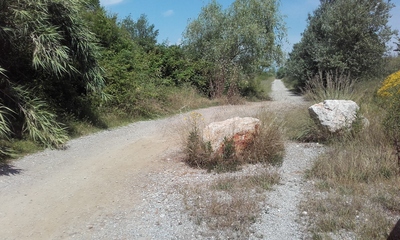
(344, 54)
(66, 66)
(48, 63)
(235, 44)
(344, 38)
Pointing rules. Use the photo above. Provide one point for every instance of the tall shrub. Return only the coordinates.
(48, 61)
(344, 35)
(236, 42)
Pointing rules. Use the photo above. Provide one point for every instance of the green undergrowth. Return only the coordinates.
(262, 89)
(168, 101)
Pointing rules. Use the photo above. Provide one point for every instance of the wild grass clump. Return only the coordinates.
(326, 86)
(230, 204)
(354, 161)
(330, 85)
(261, 181)
(267, 147)
(339, 216)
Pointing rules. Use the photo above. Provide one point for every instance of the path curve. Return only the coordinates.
(91, 189)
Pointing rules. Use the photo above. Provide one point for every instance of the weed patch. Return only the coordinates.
(231, 204)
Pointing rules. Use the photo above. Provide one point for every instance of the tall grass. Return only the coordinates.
(357, 176)
(300, 127)
(328, 85)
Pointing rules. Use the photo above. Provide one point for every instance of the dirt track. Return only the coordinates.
(58, 194)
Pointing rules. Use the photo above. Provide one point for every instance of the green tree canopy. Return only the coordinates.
(239, 40)
(346, 35)
(141, 31)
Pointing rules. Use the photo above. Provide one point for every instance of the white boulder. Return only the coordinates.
(334, 115)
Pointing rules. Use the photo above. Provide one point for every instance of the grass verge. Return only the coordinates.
(356, 182)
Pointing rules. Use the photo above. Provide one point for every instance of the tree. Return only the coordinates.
(102, 24)
(398, 45)
(141, 31)
(348, 36)
(48, 61)
(204, 39)
(235, 42)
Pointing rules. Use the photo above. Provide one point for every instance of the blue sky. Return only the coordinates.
(171, 17)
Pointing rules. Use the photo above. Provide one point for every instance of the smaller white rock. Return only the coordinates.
(334, 115)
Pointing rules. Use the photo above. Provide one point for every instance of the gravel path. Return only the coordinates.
(128, 184)
(281, 219)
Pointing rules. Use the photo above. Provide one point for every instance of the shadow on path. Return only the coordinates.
(7, 170)
(395, 234)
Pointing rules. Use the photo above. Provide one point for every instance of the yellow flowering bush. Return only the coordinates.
(390, 91)
(391, 85)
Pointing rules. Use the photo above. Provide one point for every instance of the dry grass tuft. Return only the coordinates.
(330, 85)
(267, 147)
(358, 182)
(346, 217)
(262, 181)
(231, 204)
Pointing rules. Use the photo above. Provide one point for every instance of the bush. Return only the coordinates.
(390, 93)
(391, 86)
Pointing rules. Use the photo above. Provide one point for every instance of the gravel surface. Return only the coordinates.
(162, 215)
(129, 183)
(281, 219)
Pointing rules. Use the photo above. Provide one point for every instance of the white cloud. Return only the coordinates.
(109, 2)
(168, 13)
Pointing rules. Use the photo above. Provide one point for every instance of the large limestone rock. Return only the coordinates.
(334, 115)
(241, 130)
